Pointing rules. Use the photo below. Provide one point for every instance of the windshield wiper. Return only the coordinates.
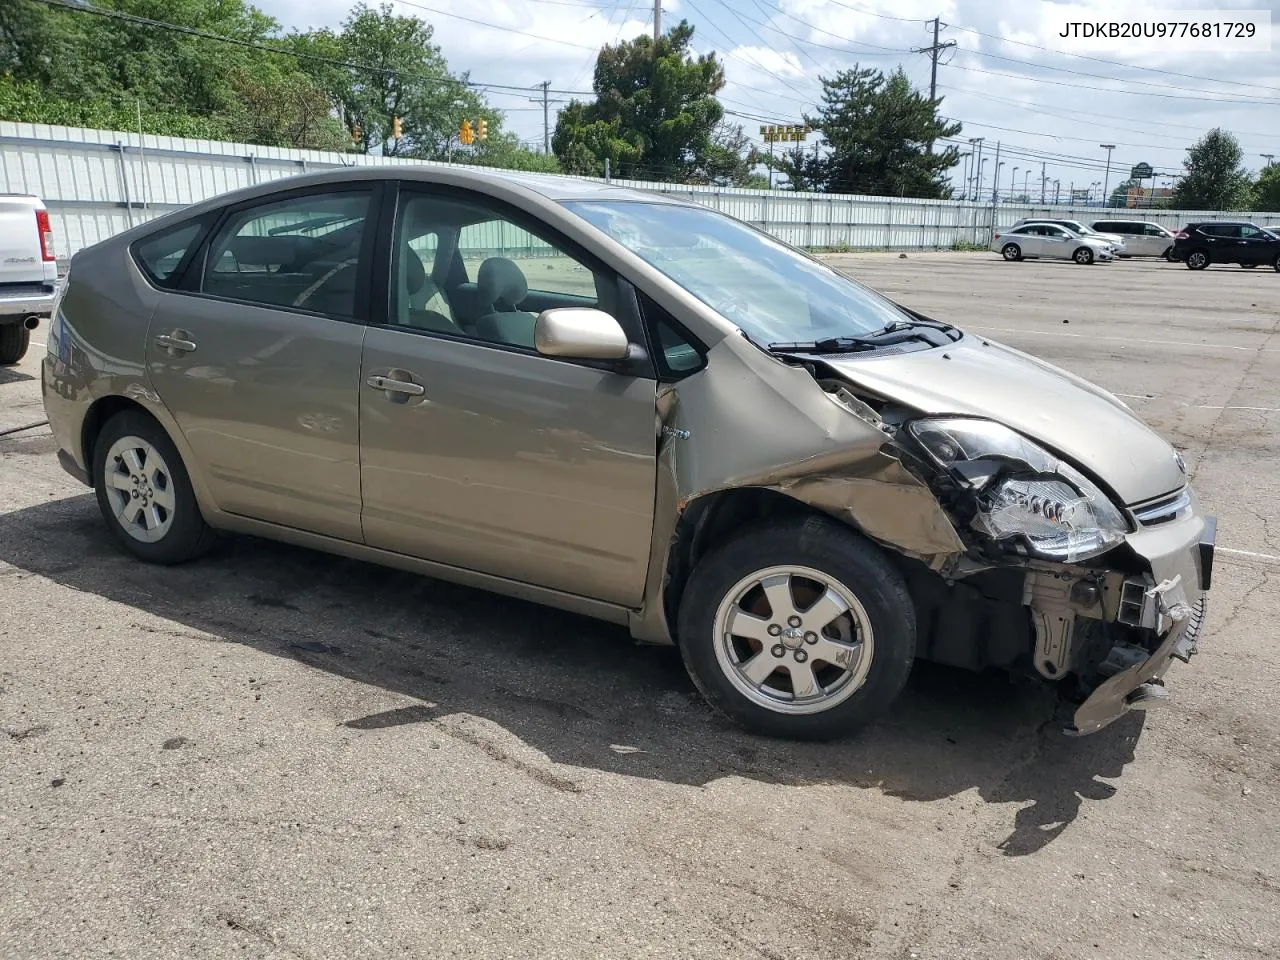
(826, 345)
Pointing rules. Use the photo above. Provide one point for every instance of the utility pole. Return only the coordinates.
(934, 50)
(1106, 180)
(657, 21)
(1043, 181)
(1265, 156)
(546, 115)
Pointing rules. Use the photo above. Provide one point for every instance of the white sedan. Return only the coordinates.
(1050, 240)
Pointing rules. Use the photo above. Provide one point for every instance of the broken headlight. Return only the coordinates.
(1022, 493)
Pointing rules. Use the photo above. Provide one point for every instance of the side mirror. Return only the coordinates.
(580, 333)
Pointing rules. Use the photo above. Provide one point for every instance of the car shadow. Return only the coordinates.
(578, 690)
(13, 375)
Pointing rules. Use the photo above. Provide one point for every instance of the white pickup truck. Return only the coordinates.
(28, 272)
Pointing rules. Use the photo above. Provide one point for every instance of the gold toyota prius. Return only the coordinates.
(637, 409)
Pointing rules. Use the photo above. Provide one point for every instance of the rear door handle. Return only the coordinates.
(396, 386)
(174, 343)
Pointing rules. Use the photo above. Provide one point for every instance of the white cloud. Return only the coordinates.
(1038, 109)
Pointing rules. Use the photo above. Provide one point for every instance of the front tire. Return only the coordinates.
(14, 340)
(144, 492)
(1084, 256)
(1197, 260)
(1011, 252)
(1276, 264)
(798, 629)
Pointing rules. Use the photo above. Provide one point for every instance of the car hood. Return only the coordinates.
(1069, 415)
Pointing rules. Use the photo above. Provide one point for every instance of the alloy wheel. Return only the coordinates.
(139, 488)
(793, 640)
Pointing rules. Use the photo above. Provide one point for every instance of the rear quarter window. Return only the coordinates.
(162, 254)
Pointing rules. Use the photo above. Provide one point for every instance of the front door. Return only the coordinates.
(1256, 246)
(1055, 242)
(478, 452)
(259, 360)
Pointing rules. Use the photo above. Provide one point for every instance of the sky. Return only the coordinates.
(1007, 79)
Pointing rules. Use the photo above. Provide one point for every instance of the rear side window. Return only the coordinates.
(303, 253)
(1221, 229)
(161, 254)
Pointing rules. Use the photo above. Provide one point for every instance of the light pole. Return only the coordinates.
(982, 166)
(1057, 190)
(965, 189)
(1013, 182)
(995, 185)
(1106, 179)
(976, 143)
(1026, 184)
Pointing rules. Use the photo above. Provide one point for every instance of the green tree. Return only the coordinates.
(878, 131)
(1214, 178)
(504, 150)
(654, 116)
(1267, 189)
(70, 67)
(401, 73)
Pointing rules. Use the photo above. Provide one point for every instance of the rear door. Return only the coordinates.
(257, 356)
(1028, 239)
(1222, 240)
(480, 453)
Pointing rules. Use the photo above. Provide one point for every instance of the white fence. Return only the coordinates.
(98, 182)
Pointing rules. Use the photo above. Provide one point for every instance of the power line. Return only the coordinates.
(496, 26)
(733, 53)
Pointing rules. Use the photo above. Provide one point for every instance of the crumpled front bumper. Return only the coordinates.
(1175, 606)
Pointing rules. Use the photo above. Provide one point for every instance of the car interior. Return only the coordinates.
(452, 274)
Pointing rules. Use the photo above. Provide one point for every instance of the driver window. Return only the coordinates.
(1250, 232)
(301, 253)
(461, 268)
(1151, 230)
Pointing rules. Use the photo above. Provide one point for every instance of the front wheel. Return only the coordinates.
(1011, 252)
(798, 629)
(14, 340)
(1276, 264)
(144, 492)
(1197, 260)
(1168, 254)
(1083, 255)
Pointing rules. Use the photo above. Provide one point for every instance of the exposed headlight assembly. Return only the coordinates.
(1023, 494)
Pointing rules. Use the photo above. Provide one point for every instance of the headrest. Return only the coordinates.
(415, 274)
(500, 279)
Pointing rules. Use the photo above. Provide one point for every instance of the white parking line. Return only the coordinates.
(1087, 336)
(1249, 553)
(1200, 406)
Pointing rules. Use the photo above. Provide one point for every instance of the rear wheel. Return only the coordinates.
(1083, 255)
(14, 340)
(144, 492)
(798, 629)
(1197, 260)
(1011, 252)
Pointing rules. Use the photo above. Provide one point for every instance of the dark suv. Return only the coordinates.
(1200, 244)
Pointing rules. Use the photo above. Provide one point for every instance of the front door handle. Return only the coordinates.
(396, 386)
(176, 343)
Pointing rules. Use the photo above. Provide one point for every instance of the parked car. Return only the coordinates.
(1075, 226)
(1141, 238)
(1050, 240)
(1216, 241)
(635, 408)
(28, 272)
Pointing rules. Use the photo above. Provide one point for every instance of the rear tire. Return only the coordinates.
(1083, 255)
(145, 493)
(798, 629)
(1011, 252)
(1197, 260)
(14, 340)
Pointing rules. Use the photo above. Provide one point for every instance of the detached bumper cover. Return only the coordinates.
(1183, 575)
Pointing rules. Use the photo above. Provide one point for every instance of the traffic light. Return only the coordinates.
(465, 135)
(482, 129)
(397, 131)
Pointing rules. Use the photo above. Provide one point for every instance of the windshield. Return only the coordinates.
(769, 291)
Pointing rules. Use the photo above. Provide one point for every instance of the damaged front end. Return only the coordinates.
(1114, 594)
